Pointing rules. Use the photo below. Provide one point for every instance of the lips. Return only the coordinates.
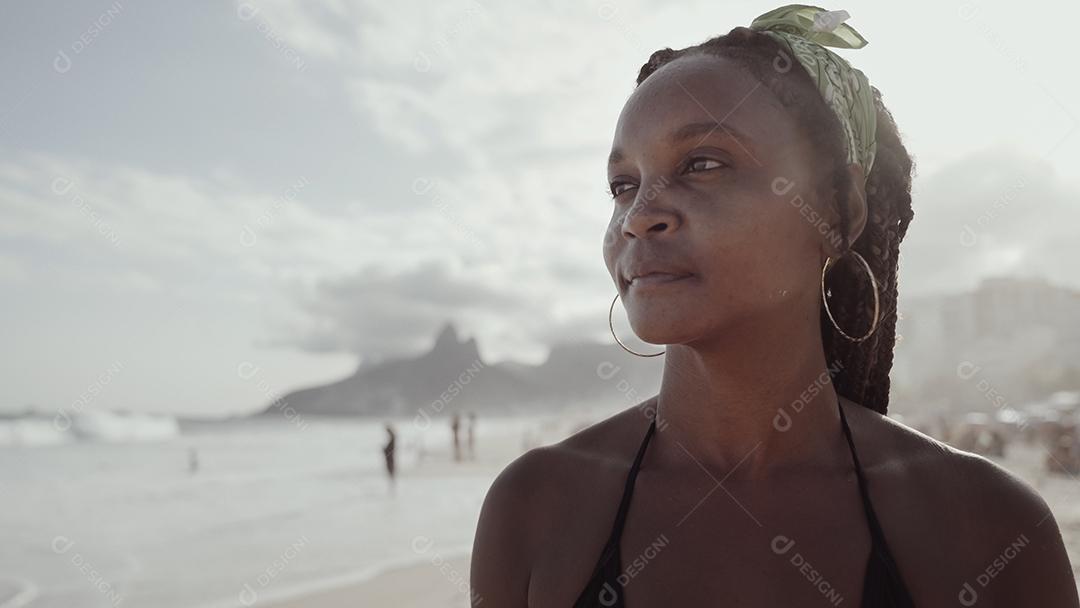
(652, 275)
(656, 278)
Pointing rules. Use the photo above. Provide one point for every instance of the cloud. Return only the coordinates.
(429, 162)
(378, 313)
(488, 83)
(509, 256)
(118, 217)
(316, 30)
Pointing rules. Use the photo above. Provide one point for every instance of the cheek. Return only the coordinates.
(610, 245)
(764, 253)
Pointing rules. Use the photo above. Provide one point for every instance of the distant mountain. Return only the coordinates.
(452, 377)
(1022, 335)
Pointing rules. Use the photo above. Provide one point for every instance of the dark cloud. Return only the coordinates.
(375, 313)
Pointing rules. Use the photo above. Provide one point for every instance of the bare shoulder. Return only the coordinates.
(600, 445)
(933, 468)
(532, 501)
(541, 478)
(996, 530)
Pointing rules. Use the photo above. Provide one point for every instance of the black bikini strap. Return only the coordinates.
(877, 534)
(628, 491)
(624, 506)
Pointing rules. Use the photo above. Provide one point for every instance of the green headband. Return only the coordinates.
(805, 31)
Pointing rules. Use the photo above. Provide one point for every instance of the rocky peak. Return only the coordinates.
(449, 345)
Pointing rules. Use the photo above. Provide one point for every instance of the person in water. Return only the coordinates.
(761, 191)
(470, 435)
(388, 454)
(455, 431)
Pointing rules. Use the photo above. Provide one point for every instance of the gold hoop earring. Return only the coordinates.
(873, 283)
(611, 310)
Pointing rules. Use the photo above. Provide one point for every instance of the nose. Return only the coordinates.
(649, 216)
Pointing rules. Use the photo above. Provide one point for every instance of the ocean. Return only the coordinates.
(275, 508)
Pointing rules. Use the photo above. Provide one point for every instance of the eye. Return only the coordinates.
(614, 188)
(702, 163)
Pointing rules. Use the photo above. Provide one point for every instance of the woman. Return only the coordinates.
(761, 192)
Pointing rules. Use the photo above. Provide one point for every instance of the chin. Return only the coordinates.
(659, 332)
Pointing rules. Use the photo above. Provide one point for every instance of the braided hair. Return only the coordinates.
(860, 369)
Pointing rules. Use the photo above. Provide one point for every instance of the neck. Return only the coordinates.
(759, 403)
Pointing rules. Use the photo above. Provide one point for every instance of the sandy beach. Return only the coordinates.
(436, 584)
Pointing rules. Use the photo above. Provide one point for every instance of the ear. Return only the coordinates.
(854, 208)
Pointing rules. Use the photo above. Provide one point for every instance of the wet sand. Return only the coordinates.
(427, 584)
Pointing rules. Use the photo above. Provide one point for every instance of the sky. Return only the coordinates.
(205, 204)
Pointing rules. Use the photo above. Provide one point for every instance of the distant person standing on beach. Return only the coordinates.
(455, 426)
(470, 436)
(388, 453)
(193, 460)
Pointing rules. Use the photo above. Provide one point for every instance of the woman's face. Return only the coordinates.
(726, 216)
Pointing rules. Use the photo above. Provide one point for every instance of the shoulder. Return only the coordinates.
(952, 480)
(527, 504)
(969, 511)
(1017, 554)
(540, 479)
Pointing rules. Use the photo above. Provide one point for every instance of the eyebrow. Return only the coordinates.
(691, 130)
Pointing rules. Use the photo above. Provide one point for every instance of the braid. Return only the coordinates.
(861, 368)
(888, 198)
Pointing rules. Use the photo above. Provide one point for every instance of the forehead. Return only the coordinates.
(701, 89)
